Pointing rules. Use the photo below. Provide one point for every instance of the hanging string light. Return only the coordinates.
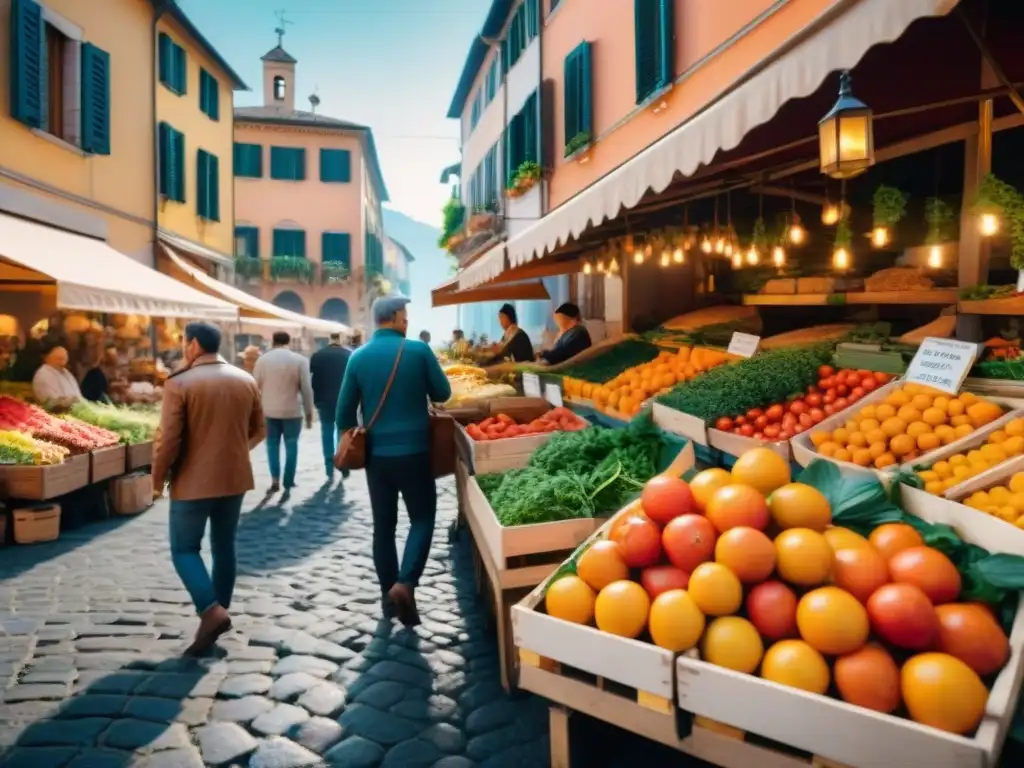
(587, 269)
(939, 216)
(706, 246)
(666, 258)
(830, 214)
(795, 232)
(679, 252)
(888, 206)
(737, 259)
(600, 266)
(841, 257)
(778, 257)
(988, 224)
(679, 255)
(613, 266)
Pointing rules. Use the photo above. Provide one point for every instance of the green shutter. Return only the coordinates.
(209, 95)
(666, 38)
(207, 185)
(163, 160)
(577, 101)
(287, 163)
(335, 165)
(336, 247)
(180, 70)
(248, 160)
(645, 21)
(201, 180)
(251, 237)
(95, 100)
(166, 57)
(179, 165)
(172, 163)
(290, 242)
(28, 63)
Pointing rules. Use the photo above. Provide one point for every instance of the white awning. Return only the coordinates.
(196, 249)
(93, 277)
(794, 74)
(486, 268)
(249, 306)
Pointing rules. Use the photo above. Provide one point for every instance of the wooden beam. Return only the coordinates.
(536, 269)
(524, 291)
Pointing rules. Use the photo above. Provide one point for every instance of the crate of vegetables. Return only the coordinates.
(510, 429)
(37, 470)
(139, 455)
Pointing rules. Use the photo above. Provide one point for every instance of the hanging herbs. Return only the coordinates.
(939, 215)
(759, 238)
(996, 196)
(889, 206)
(844, 236)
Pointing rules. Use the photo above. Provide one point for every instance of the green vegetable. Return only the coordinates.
(614, 361)
(767, 378)
(132, 425)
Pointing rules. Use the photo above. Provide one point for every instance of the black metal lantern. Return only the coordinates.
(846, 135)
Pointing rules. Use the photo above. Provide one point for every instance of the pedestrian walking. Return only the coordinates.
(392, 379)
(283, 379)
(327, 370)
(211, 419)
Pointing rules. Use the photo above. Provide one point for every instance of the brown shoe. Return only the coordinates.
(213, 623)
(404, 600)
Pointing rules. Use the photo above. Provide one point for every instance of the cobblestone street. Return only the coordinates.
(92, 627)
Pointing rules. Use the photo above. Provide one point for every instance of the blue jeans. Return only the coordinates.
(188, 526)
(328, 436)
(289, 429)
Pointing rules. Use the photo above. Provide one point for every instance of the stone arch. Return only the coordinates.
(335, 309)
(291, 301)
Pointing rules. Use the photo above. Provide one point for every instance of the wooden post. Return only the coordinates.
(624, 269)
(558, 733)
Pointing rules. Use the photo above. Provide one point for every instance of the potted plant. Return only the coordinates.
(452, 215)
(482, 218)
(579, 146)
(291, 268)
(333, 272)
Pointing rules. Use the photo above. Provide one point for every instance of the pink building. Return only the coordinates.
(309, 233)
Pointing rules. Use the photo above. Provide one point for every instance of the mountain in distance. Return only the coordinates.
(432, 266)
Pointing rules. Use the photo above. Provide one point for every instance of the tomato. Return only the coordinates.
(798, 407)
(806, 420)
(828, 383)
(747, 430)
(739, 421)
(825, 371)
(785, 434)
(829, 397)
(841, 378)
(812, 390)
(829, 409)
(774, 413)
(862, 372)
(735, 430)
(813, 400)
(868, 384)
(869, 678)
(928, 569)
(892, 538)
(971, 634)
(882, 378)
(771, 607)
(724, 424)
(753, 413)
(860, 571)
(789, 421)
(761, 422)
(661, 578)
(858, 392)
(640, 540)
(664, 498)
(688, 541)
(817, 415)
(772, 431)
(842, 390)
(841, 404)
(758, 435)
(902, 615)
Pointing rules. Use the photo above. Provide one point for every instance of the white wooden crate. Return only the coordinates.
(976, 439)
(488, 456)
(737, 445)
(679, 423)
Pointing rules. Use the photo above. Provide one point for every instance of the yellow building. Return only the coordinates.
(195, 130)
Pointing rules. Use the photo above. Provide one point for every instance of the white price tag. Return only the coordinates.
(744, 344)
(1020, 281)
(942, 363)
(553, 394)
(531, 385)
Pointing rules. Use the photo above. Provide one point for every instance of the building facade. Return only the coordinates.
(397, 259)
(309, 230)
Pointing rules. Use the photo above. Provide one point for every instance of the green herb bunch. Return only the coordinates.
(996, 196)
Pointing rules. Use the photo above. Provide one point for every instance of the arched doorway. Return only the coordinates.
(335, 310)
(290, 300)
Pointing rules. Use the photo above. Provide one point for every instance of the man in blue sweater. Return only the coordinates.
(391, 379)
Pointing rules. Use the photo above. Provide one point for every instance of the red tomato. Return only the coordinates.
(842, 390)
(830, 396)
(640, 540)
(806, 420)
(868, 384)
(746, 430)
(724, 424)
(761, 422)
(771, 607)
(929, 570)
(774, 413)
(689, 540)
(661, 578)
(861, 373)
(829, 409)
(772, 431)
(797, 407)
(665, 498)
(812, 390)
(858, 392)
(799, 429)
(841, 378)
(827, 383)
(825, 371)
(814, 400)
(758, 436)
(753, 413)
(882, 378)
(817, 415)
(789, 421)
(901, 614)
(736, 430)
(841, 404)
(739, 421)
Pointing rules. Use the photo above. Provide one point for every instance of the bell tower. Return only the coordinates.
(279, 73)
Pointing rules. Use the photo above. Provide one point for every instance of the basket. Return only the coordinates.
(37, 523)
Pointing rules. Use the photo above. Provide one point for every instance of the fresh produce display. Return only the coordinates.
(627, 392)
(819, 584)
(952, 470)
(911, 420)
(470, 384)
(69, 432)
(834, 392)
(1003, 500)
(503, 426)
(17, 389)
(132, 425)
(769, 377)
(610, 363)
(19, 448)
(589, 473)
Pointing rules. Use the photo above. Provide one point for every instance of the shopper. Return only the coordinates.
(425, 337)
(96, 384)
(516, 344)
(392, 379)
(573, 336)
(283, 379)
(327, 370)
(53, 382)
(211, 419)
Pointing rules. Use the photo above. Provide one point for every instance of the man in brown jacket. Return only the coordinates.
(210, 421)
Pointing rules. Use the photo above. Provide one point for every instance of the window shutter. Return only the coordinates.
(166, 50)
(531, 130)
(300, 243)
(238, 159)
(571, 102)
(645, 20)
(179, 165)
(337, 248)
(280, 242)
(250, 236)
(202, 188)
(164, 160)
(300, 164)
(532, 19)
(28, 63)
(95, 100)
(209, 95)
(548, 142)
(180, 69)
(666, 49)
(586, 79)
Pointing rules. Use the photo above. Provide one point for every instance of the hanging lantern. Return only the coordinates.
(600, 267)
(613, 267)
(841, 258)
(720, 245)
(830, 214)
(587, 269)
(679, 255)
(846, 144)
(638, 256)
(737, 260)
(666, 258)
(706, 245)
(988, 224)
(797, 234)
(753, 256)
(778, 257)
(935, 257)
(880, 237)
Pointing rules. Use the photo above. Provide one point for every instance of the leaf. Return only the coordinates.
(858, 502)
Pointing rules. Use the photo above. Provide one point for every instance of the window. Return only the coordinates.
(336, 247)
(208, 186)
(577, 96)
(247, 242)
(521, 31)
(493, 79)
(172, 163)
(280, 88)
(289, 242)
(653, 27)
(336, 165)
(209, 95)
(249, 160)
(374, 255)
(522, 138)
(490, 183)
(288, 163)
(173, 65)
(474, 115)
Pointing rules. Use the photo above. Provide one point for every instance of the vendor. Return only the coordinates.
(53, 382)
(97, 382)
(515, 343)
(573, 336)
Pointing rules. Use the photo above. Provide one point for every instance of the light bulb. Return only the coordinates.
(587, 268)
(797, 234)
(600, 267)
(678, 256)
(830, 215)
(613, 267)
(935, 256)
(706, 246)
(880, 237)
(728, 249)
(737, 260)
(666, 258)
(720, 245)
(753, 256)
(779, 256)
(841, 258)
(988, 224)
(638, 256)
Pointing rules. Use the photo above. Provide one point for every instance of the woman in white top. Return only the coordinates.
(53, 382)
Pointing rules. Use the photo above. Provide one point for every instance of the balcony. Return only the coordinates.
(289, 269)
(465, 232)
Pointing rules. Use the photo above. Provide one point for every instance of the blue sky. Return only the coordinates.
(390, 64)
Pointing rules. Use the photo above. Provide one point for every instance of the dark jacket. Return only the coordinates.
(327, 367)
(518, 348)
(568, 345)
(95, 385)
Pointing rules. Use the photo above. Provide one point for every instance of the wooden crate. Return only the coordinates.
(500, 455)
(679, 423)
(106, 463)
(139, 455)
(39, 483)
(36, 524)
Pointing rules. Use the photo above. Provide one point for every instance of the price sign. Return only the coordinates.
(553, 394)
(744, 344)
(531, 385)
(942, 363)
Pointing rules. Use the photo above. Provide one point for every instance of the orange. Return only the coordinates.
(621, 609)
(929, 570)
(819, 438)
(894, 426)
(570, 599)
(943, 692)
(934, 416)
(901, 445)
(746, 552)
(917, 428)
(762, 469)
(885, 460)
(909, 414)
(983, 412)
(891, 538)
(704, 484)
(735, 505)
(796, 664)
(877, 435)
(860, 571)
(676, 623)
(601, 564)
(797, 505)
(869, 678)
(921, 402)
(733, 643)
(884, 411)
(832, 621)
(929, 441)
(844, 538)
(803, 557)
(970, 633)
(842, 455)
(841, 435)
(862, 457)
(716, 589)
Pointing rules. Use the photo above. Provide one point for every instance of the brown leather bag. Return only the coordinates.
(442, 443)
(351, 453)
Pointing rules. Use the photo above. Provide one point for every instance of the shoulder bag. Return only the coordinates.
(351, 453)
